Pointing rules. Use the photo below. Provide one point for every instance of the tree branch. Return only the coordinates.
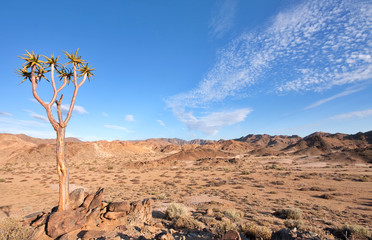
(36, 96)
(58, 103)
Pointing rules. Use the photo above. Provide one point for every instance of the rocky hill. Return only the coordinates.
(353, 147)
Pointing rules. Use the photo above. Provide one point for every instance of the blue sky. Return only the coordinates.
(194, 69)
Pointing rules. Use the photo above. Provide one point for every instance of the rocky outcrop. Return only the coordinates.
(91, 219)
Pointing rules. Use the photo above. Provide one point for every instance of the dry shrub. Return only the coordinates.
(290, 223)
(352, 231)
(11, 229)
(188, 222)
(224, 226)
(175, 211)
(289, 213)
(254, 231)
(233, 214)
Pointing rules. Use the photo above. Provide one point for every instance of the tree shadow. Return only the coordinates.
(6, 209)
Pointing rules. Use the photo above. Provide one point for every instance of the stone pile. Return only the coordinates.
(89, 218)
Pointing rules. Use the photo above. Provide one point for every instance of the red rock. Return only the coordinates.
(119, 207)
(76, 198)
(63, 222)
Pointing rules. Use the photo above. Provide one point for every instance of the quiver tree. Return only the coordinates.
(75, 70)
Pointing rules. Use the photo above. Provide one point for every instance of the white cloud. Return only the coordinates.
(212, 123)
(311, 46)
(65, 108)
(105, 114)
(118, 128)
(31, 133)
(129, 118)
(5, 114)
(222, 18)
(342, 94)
(161, 123)
(303, 48)
(351, 115)
(15, 123)
(37, 116)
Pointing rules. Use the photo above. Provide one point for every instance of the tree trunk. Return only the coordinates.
(62, 169)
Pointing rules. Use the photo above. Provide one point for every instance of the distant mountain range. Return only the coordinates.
(344, 147)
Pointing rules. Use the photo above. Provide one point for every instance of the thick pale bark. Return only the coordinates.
(63, 172)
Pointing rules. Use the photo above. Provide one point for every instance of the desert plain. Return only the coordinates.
(326, 177)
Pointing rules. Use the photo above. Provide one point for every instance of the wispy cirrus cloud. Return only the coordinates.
(161, 123)
(353, 115)
(118, 128)
(312, 46)
(210, 124)
(341, 94)
(5, 114)
(37, 116)
(222, 18)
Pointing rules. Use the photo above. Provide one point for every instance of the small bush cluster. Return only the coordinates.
(289, 213)
(352, 231)
(11, 229)
(175, 211)
(254, 231)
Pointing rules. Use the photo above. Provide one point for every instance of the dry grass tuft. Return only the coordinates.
(188, 222)
(352, 231)
(289, 213)
(11, 229)
(254, 231)
(175, 211)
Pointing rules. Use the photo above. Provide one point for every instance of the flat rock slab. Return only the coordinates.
(63, 222)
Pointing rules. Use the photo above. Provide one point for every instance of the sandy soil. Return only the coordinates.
(329, 194)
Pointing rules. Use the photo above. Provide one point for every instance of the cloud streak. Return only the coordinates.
(353, 115)
(342, 94)
(118, 128)
(161, 123)
(37, 116)
(222, 18)
(5, 114)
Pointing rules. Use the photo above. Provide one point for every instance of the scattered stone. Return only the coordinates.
(76, 198)
(63, 222)
(39, 234)
(164, 235)
(231, 235)
(27, 220)
(115, 215)
(140, 212)
(293, 234)
(119, 207)
(41, 220)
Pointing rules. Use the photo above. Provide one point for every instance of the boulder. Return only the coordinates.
(93, 219)
(119, 207)
(76, 198)
(39, 234)
(87, 201)
(115, 215)
(140, 212)
(97, 200)
(63, 222)
(231, 235)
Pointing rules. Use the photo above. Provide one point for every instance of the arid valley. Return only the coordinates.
(224, 185)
